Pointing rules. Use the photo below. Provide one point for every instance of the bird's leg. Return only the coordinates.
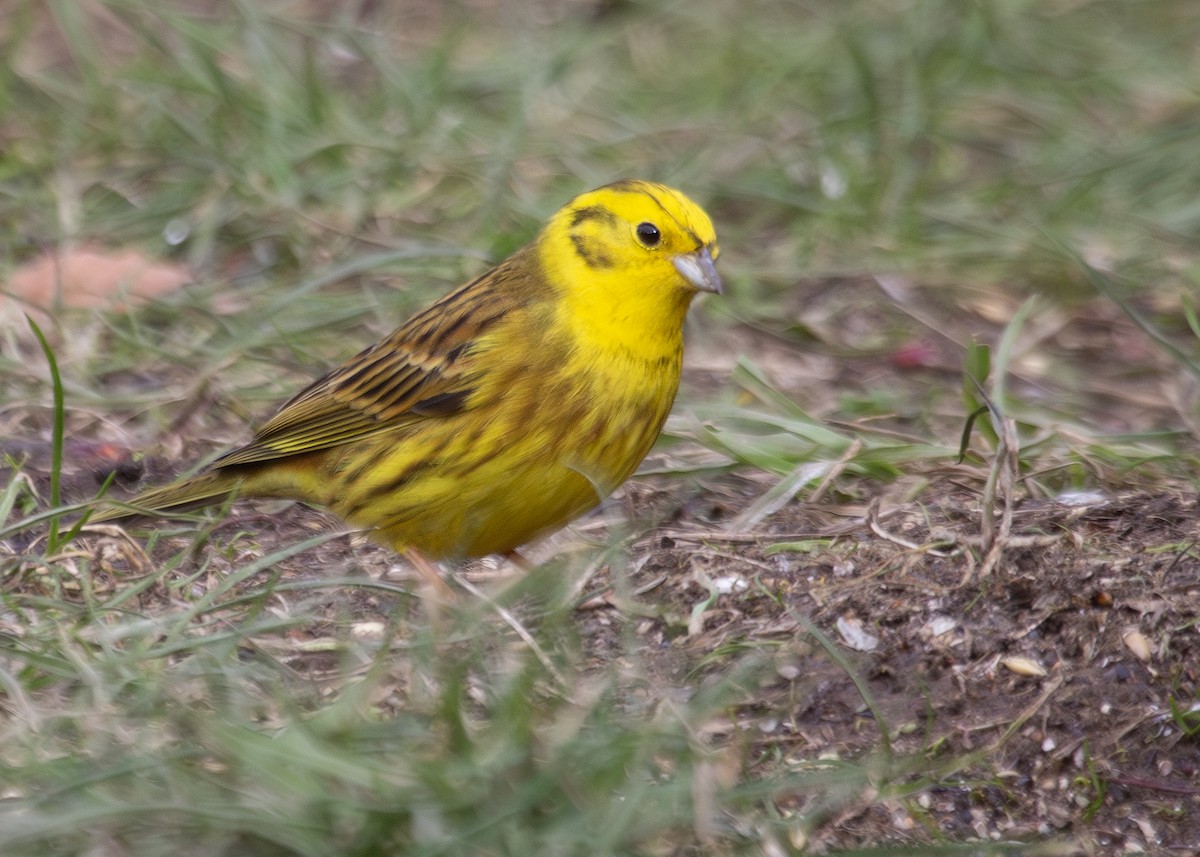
(428, 571)
(518, 559)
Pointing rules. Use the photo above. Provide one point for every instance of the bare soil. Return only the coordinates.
(1057, 675)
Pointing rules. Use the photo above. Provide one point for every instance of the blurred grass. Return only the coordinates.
(170, 736)
(325, 173)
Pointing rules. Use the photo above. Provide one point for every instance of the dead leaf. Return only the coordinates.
(88, 277)
(1023, 666)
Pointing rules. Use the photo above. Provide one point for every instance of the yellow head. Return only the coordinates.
(628, 258)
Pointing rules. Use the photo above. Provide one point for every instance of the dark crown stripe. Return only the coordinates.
(592, 212)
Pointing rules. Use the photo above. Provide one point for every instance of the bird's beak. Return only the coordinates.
(700, 270)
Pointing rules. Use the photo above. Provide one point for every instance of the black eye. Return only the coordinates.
(648, 234)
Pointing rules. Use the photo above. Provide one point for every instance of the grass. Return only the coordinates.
(323, 176)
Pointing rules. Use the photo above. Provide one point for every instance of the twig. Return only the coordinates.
(1156, 785)
(834, 472)
(516, 625)
(1001, 480)
(1051, 686)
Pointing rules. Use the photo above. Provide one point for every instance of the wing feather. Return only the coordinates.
(429, 368)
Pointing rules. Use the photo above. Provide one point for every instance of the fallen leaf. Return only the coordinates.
(855, 635)
(1023, 666)
(1137, 643)
(88, 277)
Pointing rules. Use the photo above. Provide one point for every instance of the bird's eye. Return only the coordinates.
(648, 234)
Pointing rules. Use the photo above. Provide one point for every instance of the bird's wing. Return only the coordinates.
(428, 368)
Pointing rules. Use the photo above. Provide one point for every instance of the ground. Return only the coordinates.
(1037, 687)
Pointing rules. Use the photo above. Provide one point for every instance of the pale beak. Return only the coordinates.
(699, 270)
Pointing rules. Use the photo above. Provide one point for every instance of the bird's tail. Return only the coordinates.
(204, 489)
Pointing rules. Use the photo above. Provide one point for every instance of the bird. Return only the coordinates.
(502, 411)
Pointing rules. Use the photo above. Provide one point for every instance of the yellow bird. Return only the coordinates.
(505, 409)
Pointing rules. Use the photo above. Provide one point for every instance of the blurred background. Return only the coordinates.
(936, 155)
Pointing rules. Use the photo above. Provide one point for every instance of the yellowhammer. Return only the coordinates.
(506, 408)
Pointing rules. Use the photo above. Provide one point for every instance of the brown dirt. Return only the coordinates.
(1059, 670)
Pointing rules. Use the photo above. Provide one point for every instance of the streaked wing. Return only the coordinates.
(426, 369)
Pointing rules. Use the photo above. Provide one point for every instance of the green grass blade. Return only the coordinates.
(57, 431)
